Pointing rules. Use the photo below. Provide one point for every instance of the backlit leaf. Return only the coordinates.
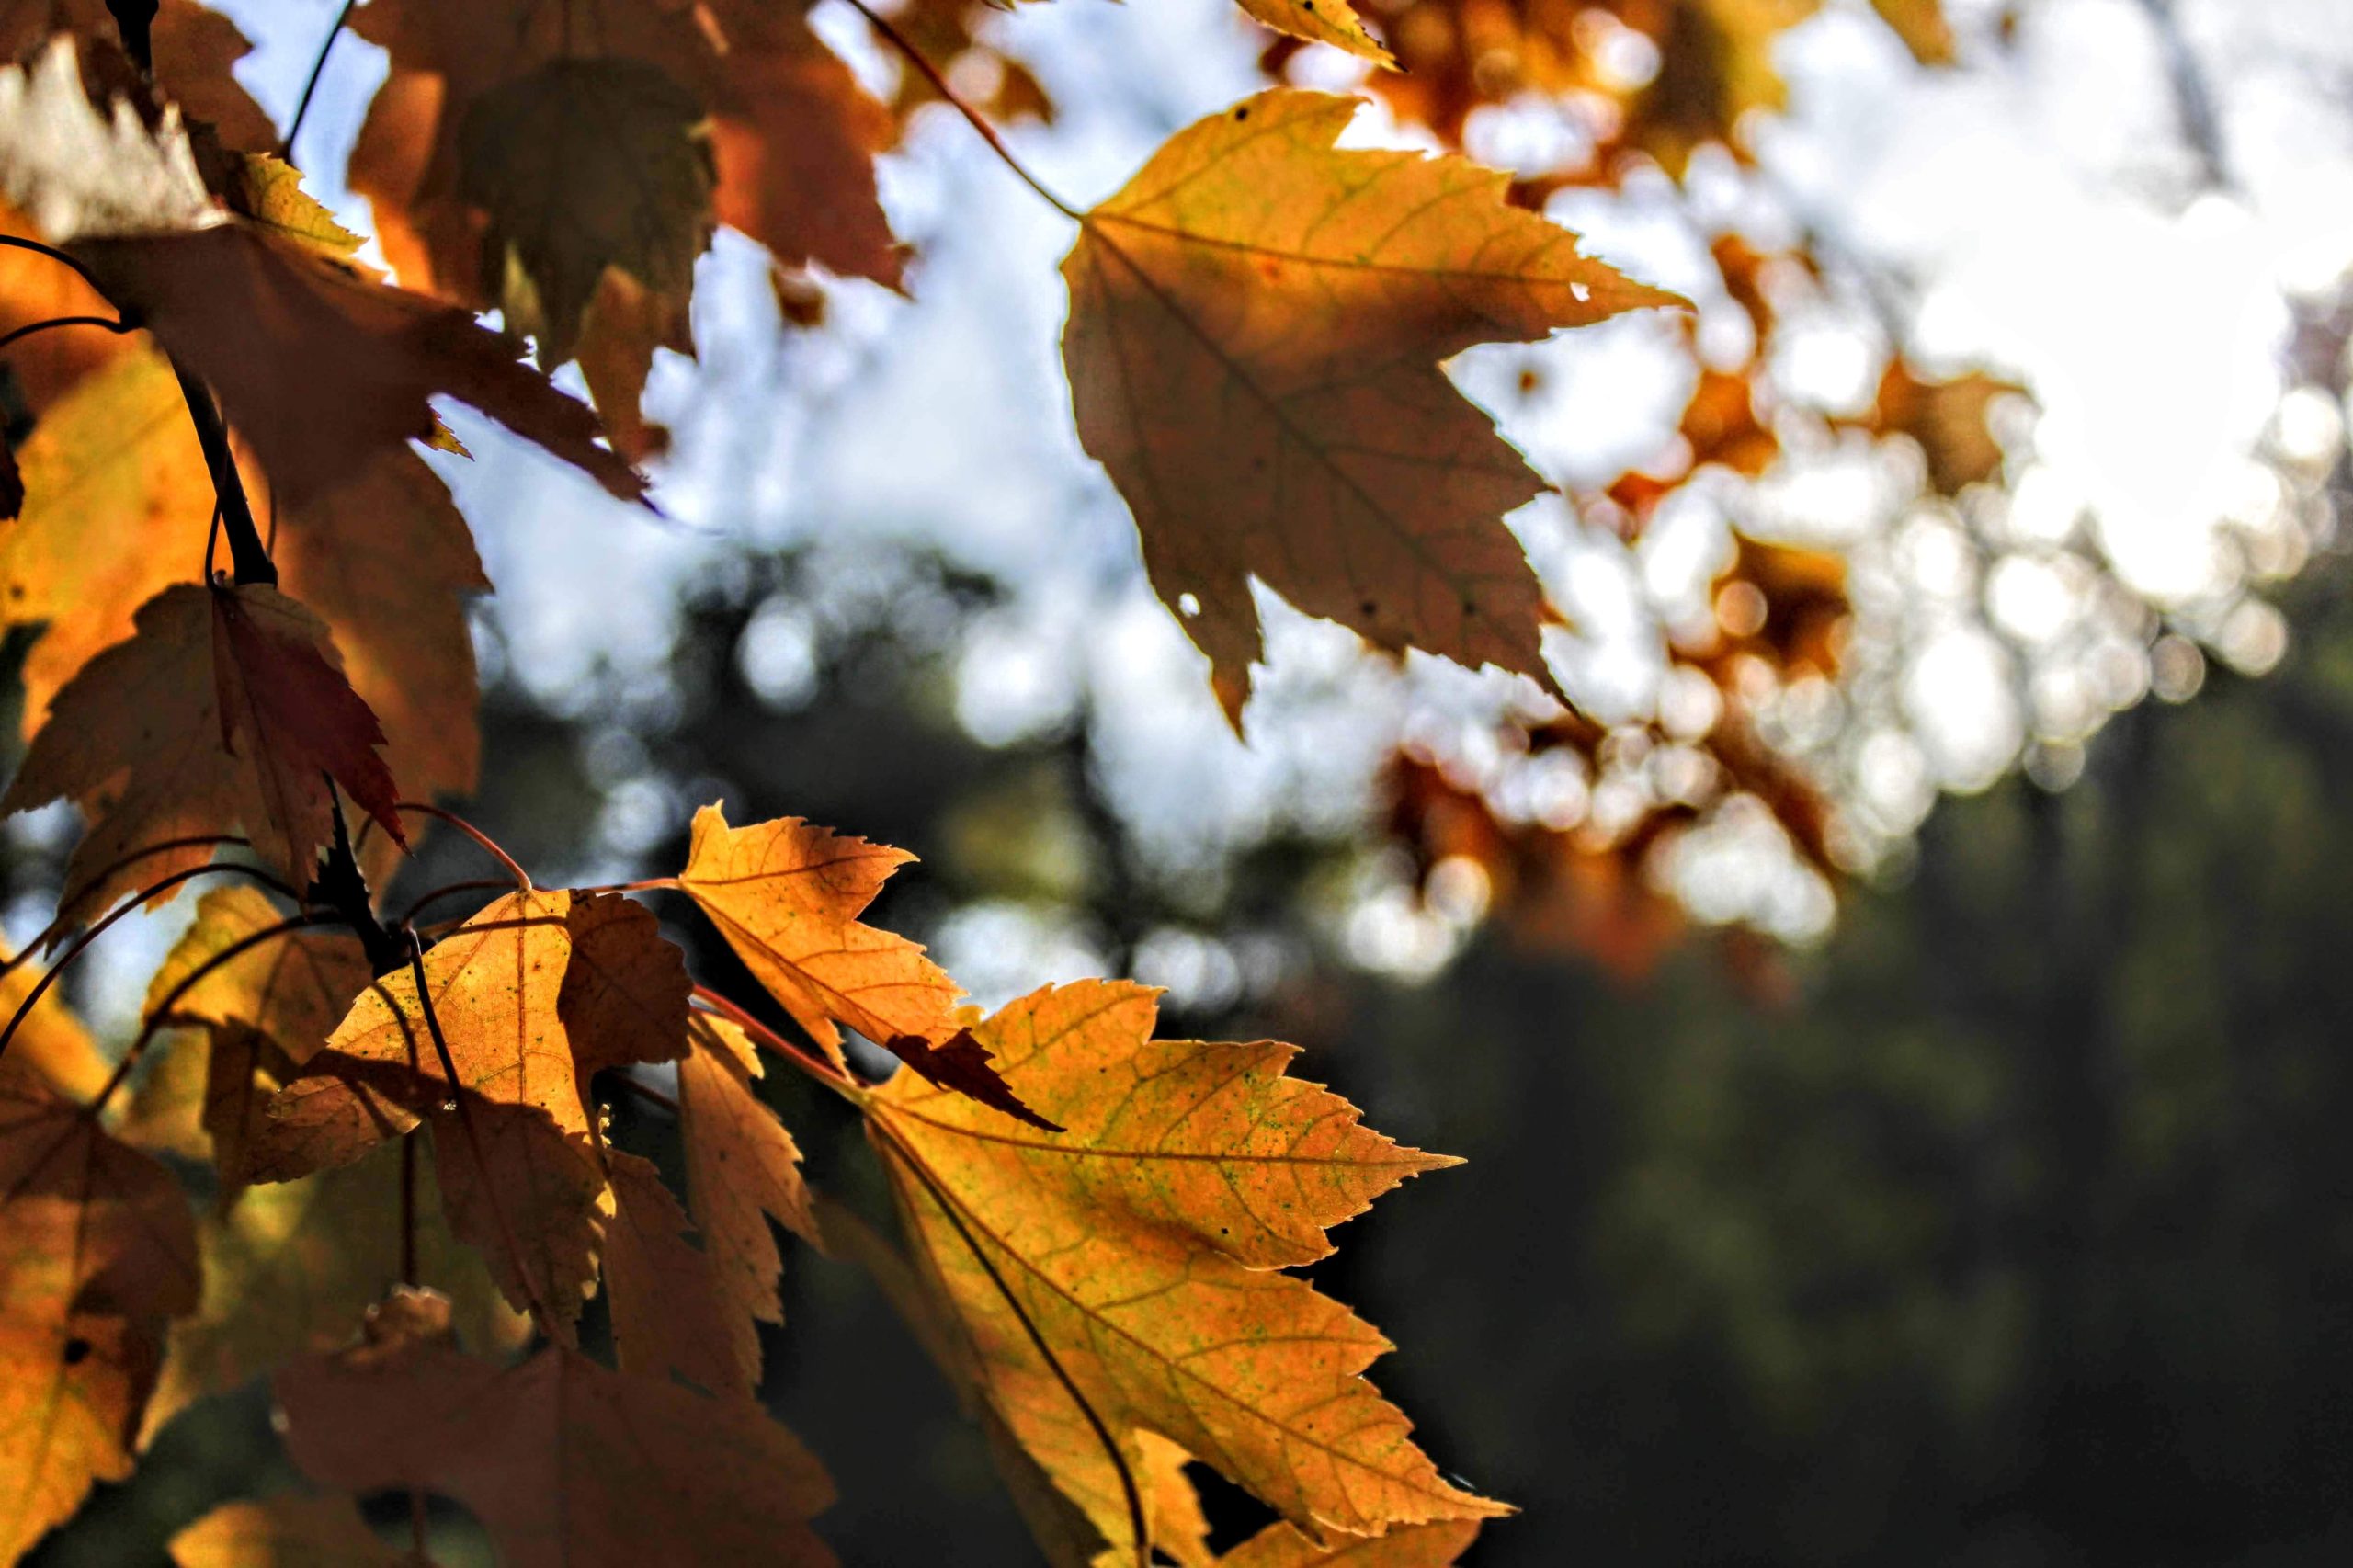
(283, 1532)
(226, 708)
(97, 1252)
(1256, 325)
(1117, 1277)
(787, 896)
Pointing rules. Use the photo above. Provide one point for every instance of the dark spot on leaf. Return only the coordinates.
(77, 1350)
(1241, 113)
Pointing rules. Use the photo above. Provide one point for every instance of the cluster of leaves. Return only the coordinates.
(251, 589)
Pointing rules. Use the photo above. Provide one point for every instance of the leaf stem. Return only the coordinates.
(10, 339)
(823, 1072)
(450, 890)
(161, 1013)
(56, 927)
(650, 884)
(81, 943)
(1139, 1524)
(646, 1091)
(932, 75)
(310, 83)
(248, 558)
(522, 877)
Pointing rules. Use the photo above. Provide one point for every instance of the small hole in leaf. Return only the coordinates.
(1187, 606)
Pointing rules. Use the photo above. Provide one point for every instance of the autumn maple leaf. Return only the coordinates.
(227, 706)
(97, 1251)
(563, 1460)
(381, 556)
(319, 364)
(1119, 1277)
(482, 156)
(1256, 328)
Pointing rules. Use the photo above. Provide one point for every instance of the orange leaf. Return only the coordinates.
(227, 706)
(1114, 1279)
(96, 1250)
(1257, 323)
(625, 986)
(741, 1167)
(566, 1465)
(669, 1316)
(1421, 1546)
(382, 557)
(792, 134)
(519, 1177)
(283, 1532)
(787, 897)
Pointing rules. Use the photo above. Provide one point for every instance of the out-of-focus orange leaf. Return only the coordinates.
(1948, 418)
(1921, 25)
(1256, 322)
(226, 707)
(791, 137)
(787, 896)
(293, 1267)
(566, 1465)
(283, 1532)
(51, 1041)
(1120, 1277)
(98, 1251)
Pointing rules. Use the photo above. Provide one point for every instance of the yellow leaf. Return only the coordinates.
(97, 1251)
(293, 1267)
(787, 896)
(283, 1532)
(741, 1168)
(1335, 22)
(511, 1135)
(1117, 1277)
(1419, 1546)
(383, 558)
(1256, 325)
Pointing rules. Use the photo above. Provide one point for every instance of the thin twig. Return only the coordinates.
(248, 558)
(311, 84)
(479, 884)
(50, 932)
(81, 943)
(823, 1072)
(646, 1091)
(522, 877)
(10, 339)
(161, 1013)
(931, 73)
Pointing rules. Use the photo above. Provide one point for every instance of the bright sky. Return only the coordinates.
(2037, 209)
